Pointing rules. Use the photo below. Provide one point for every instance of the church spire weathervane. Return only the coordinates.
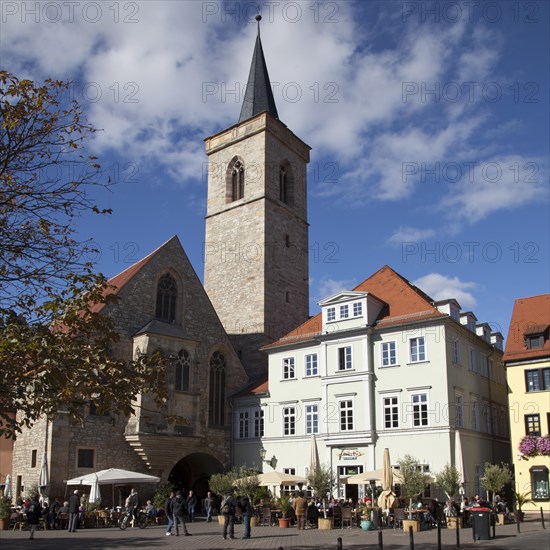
(259, 95)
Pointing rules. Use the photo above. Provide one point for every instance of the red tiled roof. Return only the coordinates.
(259, 387)
(405, 303)
(530, 316)
(120, 280)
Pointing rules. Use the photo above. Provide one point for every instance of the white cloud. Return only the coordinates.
(410, 235)
(327, 287)
(442, 287)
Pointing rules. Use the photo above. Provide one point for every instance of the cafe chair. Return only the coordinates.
(347, 517)
(398, 517)
(337, 516)
(265, 516)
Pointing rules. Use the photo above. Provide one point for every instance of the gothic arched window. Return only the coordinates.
(167, 293)
(183, 368)
(237, 181)
(216, 395)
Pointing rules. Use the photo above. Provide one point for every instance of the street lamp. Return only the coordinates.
(272, 461)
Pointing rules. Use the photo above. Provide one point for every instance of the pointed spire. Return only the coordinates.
(258, 96)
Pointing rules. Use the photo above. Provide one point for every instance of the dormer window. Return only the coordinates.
(344, 311)
(534, 341)
(331, 313)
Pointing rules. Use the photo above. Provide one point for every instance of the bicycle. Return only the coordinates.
(141, 519)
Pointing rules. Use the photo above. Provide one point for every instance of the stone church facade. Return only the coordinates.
(256, 290)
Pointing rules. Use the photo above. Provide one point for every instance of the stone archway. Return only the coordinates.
(193, 472)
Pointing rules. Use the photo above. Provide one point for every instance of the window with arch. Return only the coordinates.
(167, 293)
(285, 184)
(216, 394)
(237, 180)
(182, 365)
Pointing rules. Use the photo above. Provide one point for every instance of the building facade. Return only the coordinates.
(527, 362)
(377, 366)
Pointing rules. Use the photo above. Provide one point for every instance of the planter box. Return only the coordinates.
(221, 519)
(254, 521)
(284, 523)
(325, 524)
(501, 519)
(4, 524)
(414, 523)
(452, 523)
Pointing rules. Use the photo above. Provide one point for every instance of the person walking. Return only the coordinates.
(208, 505)
(178, 509)
(228, 510)
(191, 505)
(33, 511)
(248, 511)
(300, 509)
(131, 504)
(74, 506)
(169, 510)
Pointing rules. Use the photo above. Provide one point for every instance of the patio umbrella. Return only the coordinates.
(365, 478)
(113, 476)
(459, 461)
(95, 493)
(276, 479)
(7, 487)
(387, 497)
(44, 479)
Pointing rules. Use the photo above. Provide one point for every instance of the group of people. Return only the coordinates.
(177, 507)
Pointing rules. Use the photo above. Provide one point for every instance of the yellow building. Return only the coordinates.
(527, 363)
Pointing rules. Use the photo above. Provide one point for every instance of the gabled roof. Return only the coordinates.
(531, 316)
(256, 389)
(259, 95)
(405, 303)
(120, 280)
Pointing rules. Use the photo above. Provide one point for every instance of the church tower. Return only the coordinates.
(256, 248)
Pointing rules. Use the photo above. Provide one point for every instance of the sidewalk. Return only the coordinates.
(207, 536)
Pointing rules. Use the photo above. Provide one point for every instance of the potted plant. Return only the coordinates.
(5, 512)
(413, 481)
(449, 481)
(248, 483)
(494, 478)
(522, 499)
(284, 505)
(222, 484)
(322, 481)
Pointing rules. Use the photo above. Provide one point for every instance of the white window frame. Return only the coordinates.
(312, 418)
(475, 415)
(289, 368)
(456, 352)
(348, 358)
(244, 428)
(311, 363)
(259, 422)
(389, 356)
(357, 309)
(345, 412)
(459, 410)
(473, 360)
(393, 409)
(419, 408)
(486, 417)
(420, 356)
(344, 311)
(331, 314)
(289, 420)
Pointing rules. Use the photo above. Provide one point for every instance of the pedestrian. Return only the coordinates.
(168, 509)
(247, 511)
(208, 505)
(132, 503)
(33, 512)
(178, 508)
(300, 509)
(228, 510)
(74, 505)
(191, 505)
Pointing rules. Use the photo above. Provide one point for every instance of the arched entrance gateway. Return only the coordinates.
(193, 472)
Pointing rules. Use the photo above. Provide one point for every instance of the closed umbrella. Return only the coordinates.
(44, 479)
(459, 461)
(95, 493)
(7, 487)
(314, 457)
(387, 496)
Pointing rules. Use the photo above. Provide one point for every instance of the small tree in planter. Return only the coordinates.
(495, 477)
(449, 481)
(222, 484)
(248, 482)
(522, 499)
(284, 505)
(5, 512)
(413, 481)
(323, 481)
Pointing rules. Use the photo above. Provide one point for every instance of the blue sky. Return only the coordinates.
(428, 123)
